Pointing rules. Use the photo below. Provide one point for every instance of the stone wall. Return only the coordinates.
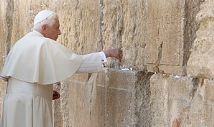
(201, 63)
(166, 74)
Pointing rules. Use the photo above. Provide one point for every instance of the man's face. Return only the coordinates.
(52, 31)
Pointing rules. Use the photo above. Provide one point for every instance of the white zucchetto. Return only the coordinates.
(42, 15)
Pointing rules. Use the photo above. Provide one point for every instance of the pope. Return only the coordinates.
(34, 64)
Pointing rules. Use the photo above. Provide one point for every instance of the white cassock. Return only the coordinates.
(32, 66)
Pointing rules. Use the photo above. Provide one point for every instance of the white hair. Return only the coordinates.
(48, 21)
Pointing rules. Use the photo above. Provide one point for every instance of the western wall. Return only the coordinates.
(166, 74)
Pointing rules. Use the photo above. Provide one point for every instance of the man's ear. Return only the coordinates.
(44, 30)
(44, 27)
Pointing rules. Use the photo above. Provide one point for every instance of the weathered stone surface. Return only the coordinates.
(149, 33)
(192, 8)
(186, 99)
(207, 91)
(159, 101)
(142, 105)
(121, 79)
(118, 105)
(109, 102)
(5, 25)
(199, 111)
(181, 92)
(82, 102)
(80, 25)
(22, 17)
(3, 86)
(165, 31)
(120, 99)
(200, 62)
(180, 87)
(57, 108)
(4, 36)
(122, 26)
(3, 33)
(170, 34)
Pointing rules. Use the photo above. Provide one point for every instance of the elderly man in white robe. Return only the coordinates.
(37, 61)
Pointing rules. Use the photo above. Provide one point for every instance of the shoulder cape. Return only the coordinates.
(37, 59)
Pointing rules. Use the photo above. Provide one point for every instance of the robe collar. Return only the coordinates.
(36, 33)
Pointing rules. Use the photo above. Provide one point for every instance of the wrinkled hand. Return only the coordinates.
(56, 95)
(176, 123)
(116, 53)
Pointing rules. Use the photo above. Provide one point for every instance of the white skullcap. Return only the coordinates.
(42, 15)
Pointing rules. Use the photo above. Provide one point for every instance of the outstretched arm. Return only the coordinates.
(93, 62)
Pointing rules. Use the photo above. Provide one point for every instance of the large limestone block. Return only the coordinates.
(181, 92)
(80, 24)
(191, 26)
(165, 31)
(17, 18)
(3, 32)
(3, 87)
(123, 26)
(5, 26)
(207, 91)
(159, 101)
(23, 15)
(127, 99)
(200, 62)
(120, 99)
(5, 7)
(170, 32)
(188, 100)
(82, 103)
(170, 98)
(165, 35)
(118, 104)
(200, 113)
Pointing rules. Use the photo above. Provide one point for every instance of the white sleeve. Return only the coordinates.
(93, 62)
(103, 56)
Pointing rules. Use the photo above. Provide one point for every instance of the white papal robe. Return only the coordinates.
(32, 66)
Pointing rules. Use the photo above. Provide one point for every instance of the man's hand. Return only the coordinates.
(56, 95)
(116, 53)
(176, 123)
